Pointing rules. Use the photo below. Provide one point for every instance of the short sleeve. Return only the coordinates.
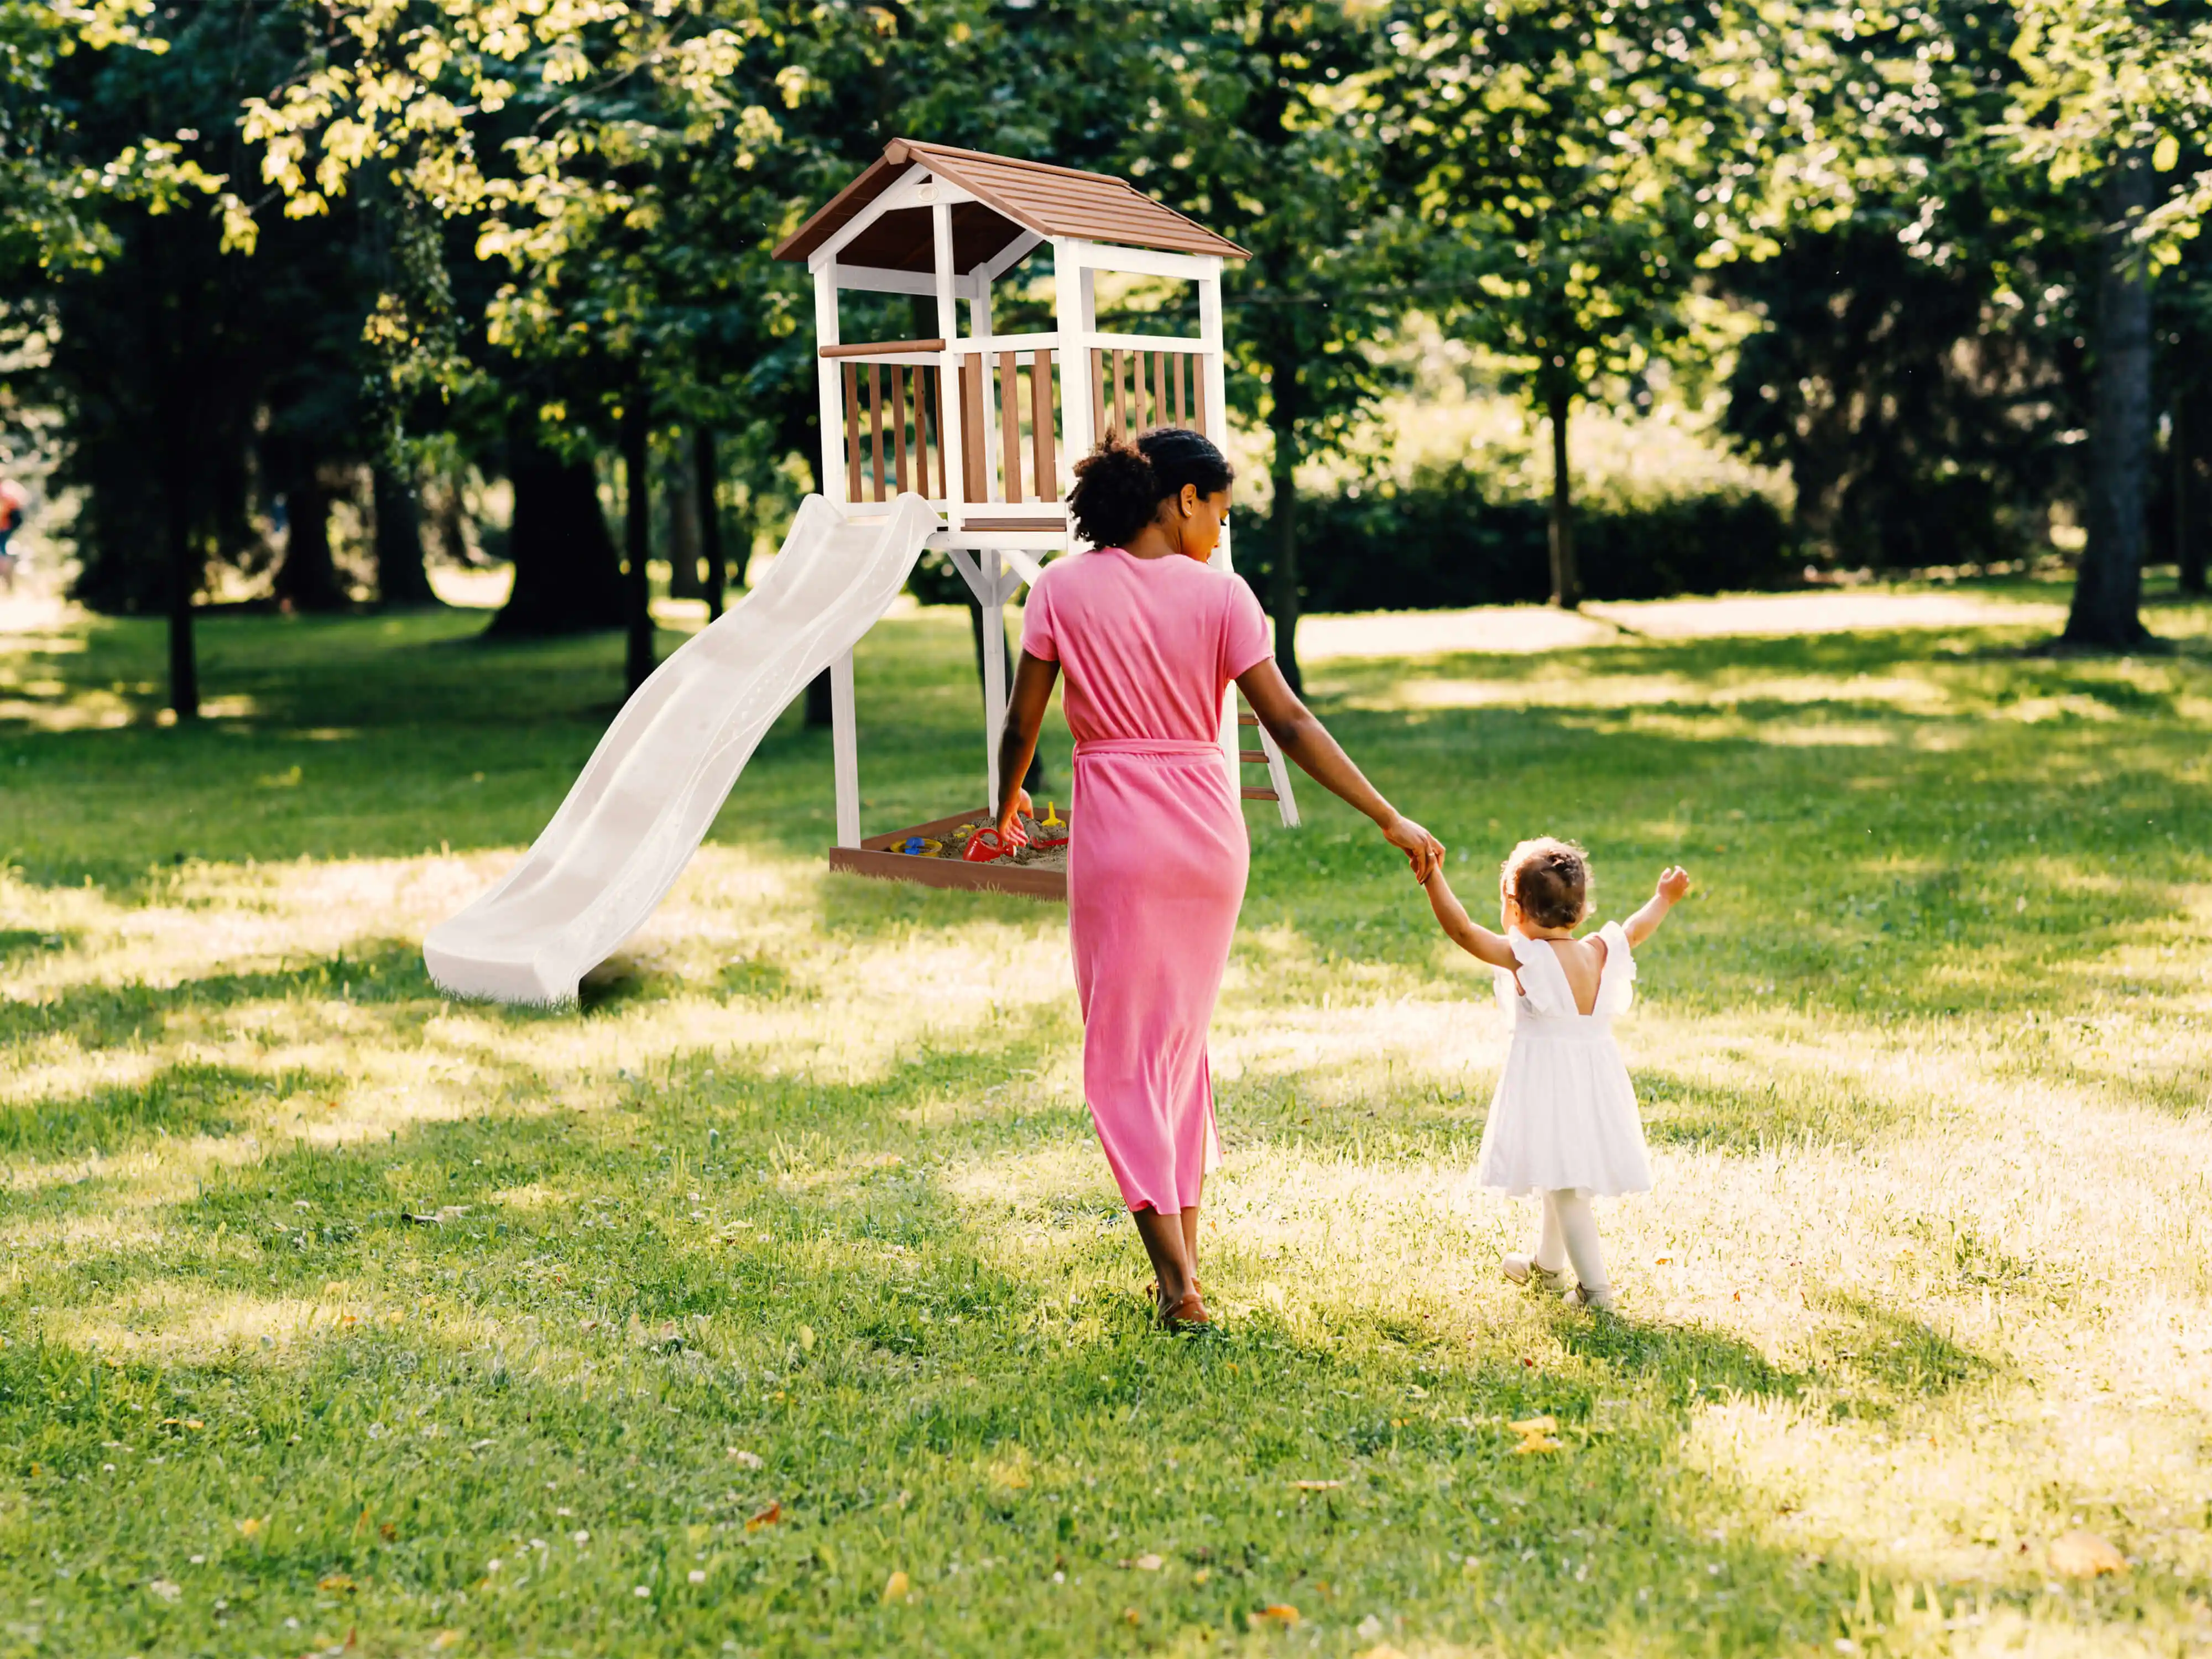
(1037, 640)
(1244, 631)
(1617, 985)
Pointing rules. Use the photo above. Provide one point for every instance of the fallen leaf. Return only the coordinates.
(251, 1527)
(388, 1533)
(336, 1581)
(1201, 1576)
(447, 1638)
(896, 1586)
(1129, 1615)
(746, 1460)
(2085, 1555)
(1316, 1486)
(1277, 1613)
(1531, 1425)
(1536, 1443)
(1148, 1563)
(767, 1517)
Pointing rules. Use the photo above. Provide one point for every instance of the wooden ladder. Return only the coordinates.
(1277, 787)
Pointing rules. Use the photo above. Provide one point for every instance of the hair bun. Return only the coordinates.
(1120, 484)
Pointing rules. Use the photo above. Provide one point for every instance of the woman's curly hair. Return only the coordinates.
(1550, 880)
(1120, 485)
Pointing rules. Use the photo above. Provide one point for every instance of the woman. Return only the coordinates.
(1150, 639)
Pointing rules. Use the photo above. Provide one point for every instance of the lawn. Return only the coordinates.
(778, 1300)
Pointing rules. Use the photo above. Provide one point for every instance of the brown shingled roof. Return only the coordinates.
(1010, 197)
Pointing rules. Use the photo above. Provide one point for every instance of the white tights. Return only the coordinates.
(1568, 1234)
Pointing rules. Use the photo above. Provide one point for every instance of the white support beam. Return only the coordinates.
(829, 386)
(948, 377)
(874, 279)
(995, 672)
(1014, 253)
(1148, 262)
(845, 750)
(1217, 391)
(1072, 289)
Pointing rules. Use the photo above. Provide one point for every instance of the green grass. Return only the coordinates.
(336, 1313)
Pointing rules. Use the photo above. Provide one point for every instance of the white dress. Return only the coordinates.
(1564, 1114)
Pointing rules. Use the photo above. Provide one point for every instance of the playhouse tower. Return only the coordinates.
(994, 459)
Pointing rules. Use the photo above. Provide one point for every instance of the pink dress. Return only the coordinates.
(1158, 860)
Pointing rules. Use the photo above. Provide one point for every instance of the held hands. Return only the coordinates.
(1674, 884)
(1423, 851)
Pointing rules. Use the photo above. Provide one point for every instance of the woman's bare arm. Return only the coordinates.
(1307, 741)
(1470, 935)
(1034, 679)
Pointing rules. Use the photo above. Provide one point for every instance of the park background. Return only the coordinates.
(777, 1300)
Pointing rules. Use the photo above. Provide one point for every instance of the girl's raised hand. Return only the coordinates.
(1673, 883)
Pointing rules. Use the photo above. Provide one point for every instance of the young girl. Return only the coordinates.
(1564, 1122)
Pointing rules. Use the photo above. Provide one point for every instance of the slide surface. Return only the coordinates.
(658, 777)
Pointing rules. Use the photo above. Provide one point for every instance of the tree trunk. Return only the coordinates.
(1283, 586)
(308, 580)
(2108, 591)
(401, 578)
(2188, 508)
(1566, 579)
(637, 512)
(567, 578)
(706, 476)
(184, 582)
(680, 493)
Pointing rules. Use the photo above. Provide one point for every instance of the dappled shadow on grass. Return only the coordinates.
(1702, 1115)
(190, 1098)
(95, 1015)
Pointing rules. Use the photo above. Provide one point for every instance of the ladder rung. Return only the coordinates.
(1261, 794)
(1253, 757)
(1248, 719)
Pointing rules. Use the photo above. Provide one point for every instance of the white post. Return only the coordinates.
(829, 384)
(948, 376)
(979, 325)
(994, 669)
(1217, 389)
(1071, 284)
(845, 750)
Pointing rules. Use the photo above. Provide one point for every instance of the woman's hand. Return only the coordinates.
(1423, 850)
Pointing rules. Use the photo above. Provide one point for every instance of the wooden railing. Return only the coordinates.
(993, 395)
(1154, 396)
(1008, 409)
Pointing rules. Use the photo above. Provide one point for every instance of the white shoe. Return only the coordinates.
(1582, 1297)
(1521, 1269)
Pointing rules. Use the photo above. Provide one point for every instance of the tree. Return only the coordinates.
(1576, 166)
(1267, 132)
(2109, 97)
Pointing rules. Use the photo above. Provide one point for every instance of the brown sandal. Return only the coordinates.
(1187, 1315)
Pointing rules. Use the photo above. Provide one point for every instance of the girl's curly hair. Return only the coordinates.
(1120, 485)
(1550, 880)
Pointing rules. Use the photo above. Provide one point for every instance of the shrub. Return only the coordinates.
(1439, 541)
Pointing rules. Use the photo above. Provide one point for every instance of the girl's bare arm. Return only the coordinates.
(1470, 935)
(1673, 882)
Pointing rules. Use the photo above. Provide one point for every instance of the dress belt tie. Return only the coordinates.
(1144, 746)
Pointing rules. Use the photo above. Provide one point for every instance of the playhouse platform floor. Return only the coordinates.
(1034, 873)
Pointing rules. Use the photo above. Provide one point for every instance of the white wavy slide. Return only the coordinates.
(662, 771)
